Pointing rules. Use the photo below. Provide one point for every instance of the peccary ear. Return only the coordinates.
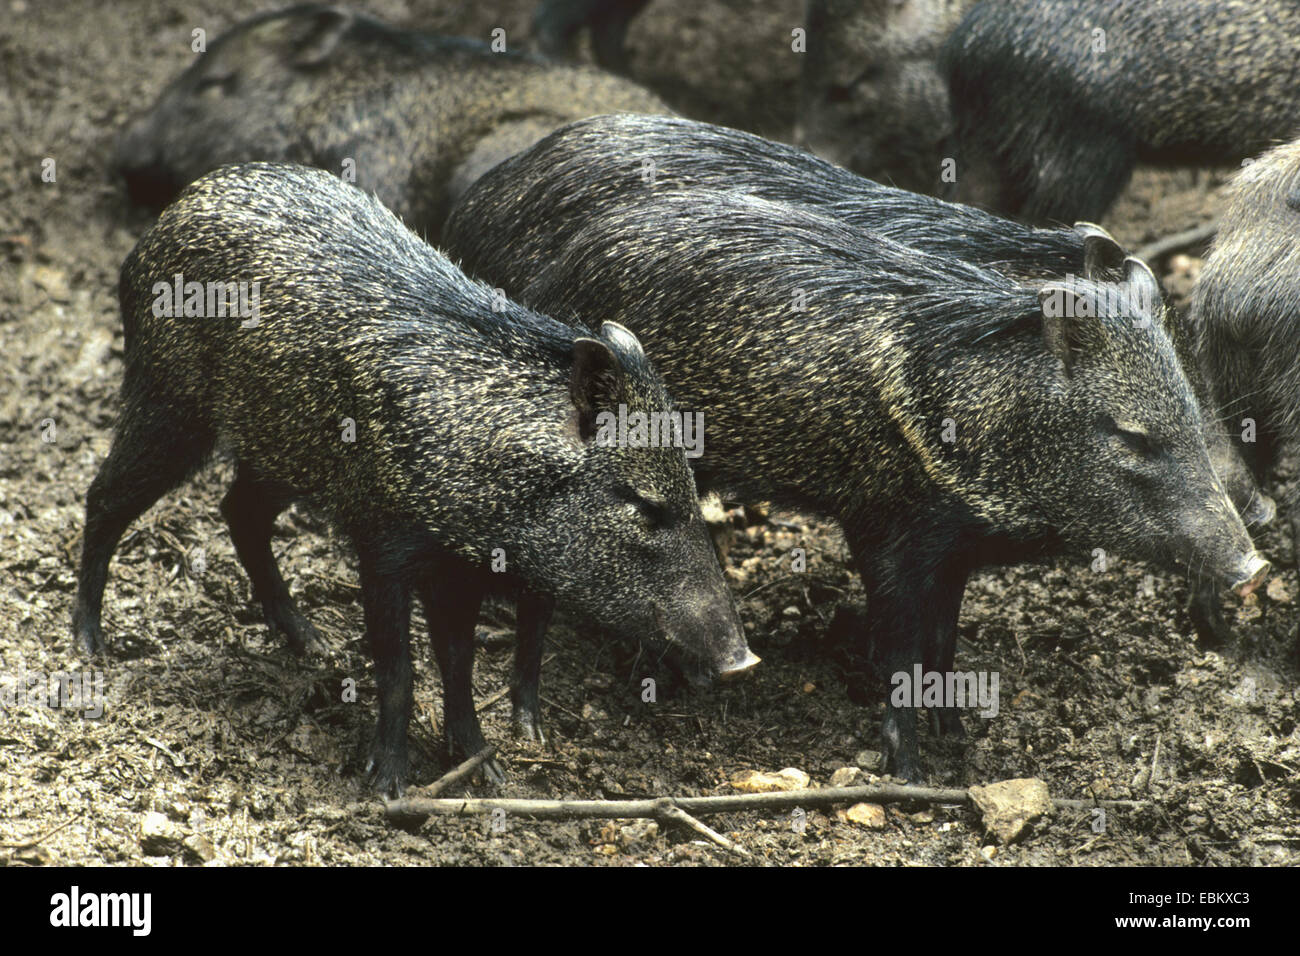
(321, 36)
(595, 383)
(1143, 289)
(1102, 255)
(1060, 305)
(622, 339)
(1139, 277)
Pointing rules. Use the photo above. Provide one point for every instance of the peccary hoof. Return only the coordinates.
(528, 726)
(386, 771)
(89, 636)
(285, 619)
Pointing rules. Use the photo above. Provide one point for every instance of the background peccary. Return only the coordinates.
(416, 117)
(834, 365)
(1054, 102)
(871, 96)
(557, 22)
(593, 158)
(473, 428)
(1244, 312)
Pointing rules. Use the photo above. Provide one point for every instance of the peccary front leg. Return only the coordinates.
(1206, 610)
(250, 509)
(452, 598)
(532, 615)
(387, 605)
(913, 597)
(941, 652)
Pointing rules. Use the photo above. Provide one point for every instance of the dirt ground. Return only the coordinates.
(251, 755)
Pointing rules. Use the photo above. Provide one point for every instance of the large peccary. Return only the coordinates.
(473, 445)
(871, 95)
(594, 158)
(1244, 315)
(946, 415)
(1055, 102)
(414, 117)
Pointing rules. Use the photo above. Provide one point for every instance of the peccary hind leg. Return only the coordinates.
(250, 508)
(387, 606)
(150, 455)
(533, 615)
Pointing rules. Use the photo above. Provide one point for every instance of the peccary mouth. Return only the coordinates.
(739, 666)
(1256, 569)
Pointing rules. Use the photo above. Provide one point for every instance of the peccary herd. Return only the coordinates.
(956, 384)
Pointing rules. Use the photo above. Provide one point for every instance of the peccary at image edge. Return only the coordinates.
(1243, 316)
(418, 116)
(590, 160)
(1054, 103)
(471, 433)
(830, 361)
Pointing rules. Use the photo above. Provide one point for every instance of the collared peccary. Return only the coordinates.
(1243, 313)
(1054, 102)
(947, 416)
(603, 156)
(414, 116)
(871, 96)
(473, 444)
(557, 22)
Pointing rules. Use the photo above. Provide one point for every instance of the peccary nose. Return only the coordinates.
(1255, 570)
(742, 664)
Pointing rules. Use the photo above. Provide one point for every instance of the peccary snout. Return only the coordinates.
(1216, 544)
(703, 617)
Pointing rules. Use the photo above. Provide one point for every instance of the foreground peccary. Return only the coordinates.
(472, 446)
(1243, 315)
(1055, 102)
(871, 97)
(557, 22)
(946, 415)
(414, 117)
(594, 158)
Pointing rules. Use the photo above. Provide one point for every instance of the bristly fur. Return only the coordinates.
(417, 115)
(925, 401)
(443, 428)
(1049, 128)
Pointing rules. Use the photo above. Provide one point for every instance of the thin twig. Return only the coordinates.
(462, 772)
(730, 803)
(1179, 240)
(671, 814)
(40, 839)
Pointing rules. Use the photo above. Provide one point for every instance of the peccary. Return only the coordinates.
(594, 158)
(473, 450)
(413, 117)
(947, 416)
(1054, 102)
(1243, 313)
(557, 22)
(871, 97)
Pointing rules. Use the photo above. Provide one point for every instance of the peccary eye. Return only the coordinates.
(839, 94)
(653, 513)
(1134, 437)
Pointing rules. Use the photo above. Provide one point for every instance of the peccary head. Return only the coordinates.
(621, 539)
(247, 89)
(1112, 449)
(871, 96)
